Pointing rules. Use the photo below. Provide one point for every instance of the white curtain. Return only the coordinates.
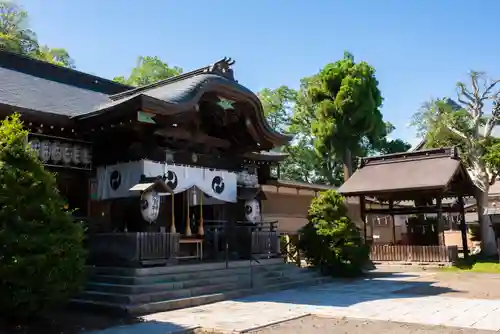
(115, 181)
(181, 178)
(198, 197)
(220, 185)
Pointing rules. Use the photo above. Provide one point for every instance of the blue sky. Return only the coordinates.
(419, 48)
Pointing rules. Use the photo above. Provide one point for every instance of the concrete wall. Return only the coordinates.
(291, 209)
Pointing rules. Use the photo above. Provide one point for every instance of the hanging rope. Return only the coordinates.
(201, 231)
(172, 227)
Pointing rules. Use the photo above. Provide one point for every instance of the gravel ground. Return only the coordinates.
(317, 325)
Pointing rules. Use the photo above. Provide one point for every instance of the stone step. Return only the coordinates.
(168, 305)
(182, 269)
(152, 297)
(163, 286)
(179, 277)
(130, 294)
(198, 282)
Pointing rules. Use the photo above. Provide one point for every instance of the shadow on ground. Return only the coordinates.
(69, 321)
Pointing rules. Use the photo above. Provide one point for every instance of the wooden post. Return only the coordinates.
(463, 227)
(363, 215)
(391, 208)
(440, 225)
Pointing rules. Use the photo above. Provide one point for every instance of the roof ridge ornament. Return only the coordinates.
(223, 68)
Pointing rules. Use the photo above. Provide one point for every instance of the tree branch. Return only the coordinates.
(457, 132)
(493, 178)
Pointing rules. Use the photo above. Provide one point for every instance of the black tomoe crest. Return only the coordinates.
(115, 179)
(248, 209)
(218, 185)
(172, 180)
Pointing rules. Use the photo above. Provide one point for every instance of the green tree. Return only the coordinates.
(55, 56)
(277, 104)
(147, 71)
(384, 145)
(321, 169)
(330, 240)
(468, 124)
(281, 107)
(347, 115)
(15, 35)
(295, 112)
(42, 255)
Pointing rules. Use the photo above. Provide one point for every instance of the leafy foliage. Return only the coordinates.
(55, 56)
(347, 114)
(42, 256)
(17, 37)
(298, 113)
(147, 71)
(330, 240)
(15, 34)
(277, 104)
(468, 124)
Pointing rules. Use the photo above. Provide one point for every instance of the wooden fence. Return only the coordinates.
(411, 253)
(157, 248)
(133, 249)
(265, 243)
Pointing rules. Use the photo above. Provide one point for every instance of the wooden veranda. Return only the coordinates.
(415, 185)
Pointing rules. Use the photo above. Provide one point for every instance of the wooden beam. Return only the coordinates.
(178, 133)
(410, 210)
(391, 207)
(362, 212)
(440, 223)
(463, 227)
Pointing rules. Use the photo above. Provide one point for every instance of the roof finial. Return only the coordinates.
(223, 68)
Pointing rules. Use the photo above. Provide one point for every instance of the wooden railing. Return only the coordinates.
(132, 249)
(265, 243)
(156, 248)
(411, 253)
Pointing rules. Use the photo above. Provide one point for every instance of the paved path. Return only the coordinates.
(374, 299)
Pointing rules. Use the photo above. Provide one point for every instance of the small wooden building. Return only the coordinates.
(416, 185)
(201, 135)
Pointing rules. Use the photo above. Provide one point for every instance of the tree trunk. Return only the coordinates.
(488, 242)
(347, 164)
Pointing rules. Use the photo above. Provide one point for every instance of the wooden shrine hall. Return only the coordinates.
(161, 173)
(415, 185)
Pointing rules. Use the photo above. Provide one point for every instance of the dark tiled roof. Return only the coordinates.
(173, 91)
(59, 74)
(422, 170)
(27, 91)
(36, 85)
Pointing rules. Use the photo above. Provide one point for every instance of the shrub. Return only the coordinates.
(330, 240)
(475, 232)
(41, 249)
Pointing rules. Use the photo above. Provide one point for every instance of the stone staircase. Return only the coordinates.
(149, 290)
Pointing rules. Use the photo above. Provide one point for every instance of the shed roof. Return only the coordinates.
(425, 170)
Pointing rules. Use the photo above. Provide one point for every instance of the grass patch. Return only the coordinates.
(475, 265)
